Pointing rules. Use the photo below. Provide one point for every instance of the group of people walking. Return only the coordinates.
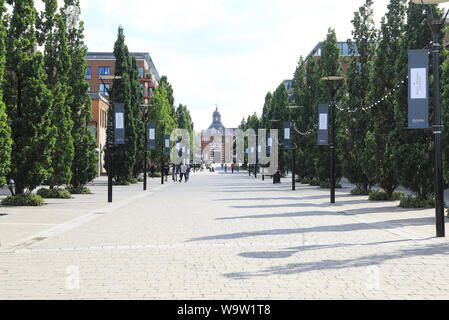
(183, 170)
(225, 165)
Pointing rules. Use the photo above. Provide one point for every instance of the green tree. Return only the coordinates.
(124, 156)
(265, 119)
(85, 161)
(171, 99)
(309, 101)
(161, 112)
(329, 65)
(57, 64)
(379, 147)
(356, 120)
(27, 100)
(184, 121)
(278, 111)
(304, 119)
(413, 152)
(139, 121)
(5, 130)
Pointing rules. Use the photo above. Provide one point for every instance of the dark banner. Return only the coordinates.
(119, 123)
(167, 145)
(152, 136)
(418, 89)
(269, 142)
(287, 135)
(323, 127)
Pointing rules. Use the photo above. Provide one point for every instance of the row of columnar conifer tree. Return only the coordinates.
(128, 160)
(45, 105)
(373, 145)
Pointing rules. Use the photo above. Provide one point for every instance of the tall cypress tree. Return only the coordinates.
(329, 65)
(379, 145)
(57, 64)
(413, 150)
(305, 120)
(123, 155)
(278, 111)
(5, 130)
(139, 121)
(310, 103)
(85, 161)
(162, 111)
(356, 120)
(27, 100)
(171, 99)
(266, 111)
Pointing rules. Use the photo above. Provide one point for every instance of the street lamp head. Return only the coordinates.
(293, 107)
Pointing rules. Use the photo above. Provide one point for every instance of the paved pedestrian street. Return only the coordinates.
(221, 236)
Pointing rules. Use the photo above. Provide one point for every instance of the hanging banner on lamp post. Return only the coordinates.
(418, 89)
(119, 123)
(323, 128)
(152, 136)
(287, 135)
(269, 143)
(167, 145)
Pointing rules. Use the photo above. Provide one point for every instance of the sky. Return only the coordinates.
(225, 53)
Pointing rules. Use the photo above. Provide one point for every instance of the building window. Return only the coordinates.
(141, 72)
(142, 88)
(104, 90)
(150, 92)
(89, 73)
(104, 71)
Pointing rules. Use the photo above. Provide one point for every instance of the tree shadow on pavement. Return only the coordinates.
(390, 224)
(282, 215)
(333, 264)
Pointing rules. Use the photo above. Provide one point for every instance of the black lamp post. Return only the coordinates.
(333, 86)
(271, 122)
(111, 125)
(145, 111)
(436, 25)
(162, 149)
(293, 148)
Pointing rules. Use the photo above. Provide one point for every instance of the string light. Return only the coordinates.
(352, 111)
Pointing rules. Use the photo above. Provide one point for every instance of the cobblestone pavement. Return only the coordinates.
(225, 236)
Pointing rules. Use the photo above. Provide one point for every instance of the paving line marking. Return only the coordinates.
(271, 245)
(27, 224)
(71, 224)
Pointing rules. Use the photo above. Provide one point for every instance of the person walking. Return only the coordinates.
(188, 172)
(226, 167)
(152, 170)
(166, 171)
(183, 172)
(175, 173)
(232, 167)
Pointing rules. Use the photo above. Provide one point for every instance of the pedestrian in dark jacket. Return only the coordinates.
(166, 171)
(152, 170)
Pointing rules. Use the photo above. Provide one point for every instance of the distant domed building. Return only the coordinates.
(217, 141)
